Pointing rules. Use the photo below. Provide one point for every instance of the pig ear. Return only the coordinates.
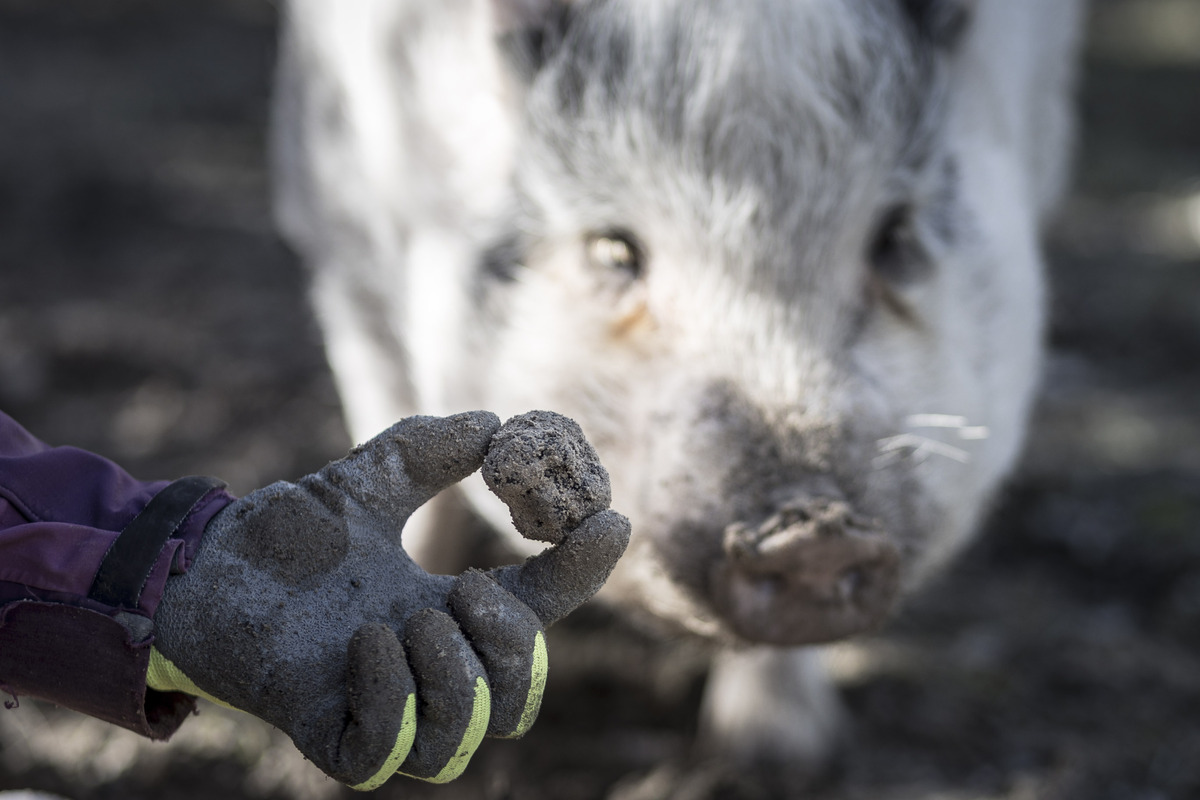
(530, 31)
(941, 22)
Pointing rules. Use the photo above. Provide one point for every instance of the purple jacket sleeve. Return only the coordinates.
(62, 511)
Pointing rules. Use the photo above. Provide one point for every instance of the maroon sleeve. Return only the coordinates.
(85, 551)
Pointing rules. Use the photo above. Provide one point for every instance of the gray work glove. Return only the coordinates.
(302, 608)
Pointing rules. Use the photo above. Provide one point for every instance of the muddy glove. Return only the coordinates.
(302, 608)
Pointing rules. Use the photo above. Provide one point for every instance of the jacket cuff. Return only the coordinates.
(41, 642)
(41, 645)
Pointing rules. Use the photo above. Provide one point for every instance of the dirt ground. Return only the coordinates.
(148, 312)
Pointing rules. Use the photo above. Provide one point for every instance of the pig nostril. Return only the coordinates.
(850, 584)
(756, 594)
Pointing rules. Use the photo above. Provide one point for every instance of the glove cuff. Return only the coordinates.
(163, 676)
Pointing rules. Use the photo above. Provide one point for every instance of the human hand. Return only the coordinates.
(302, 608)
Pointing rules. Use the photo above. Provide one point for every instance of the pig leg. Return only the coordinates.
(772, 704)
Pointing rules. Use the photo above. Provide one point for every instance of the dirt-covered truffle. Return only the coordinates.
(547, 473)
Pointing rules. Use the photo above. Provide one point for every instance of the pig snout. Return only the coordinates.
(812, 572)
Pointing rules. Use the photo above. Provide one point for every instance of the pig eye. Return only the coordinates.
(614, 251)
(895, 253)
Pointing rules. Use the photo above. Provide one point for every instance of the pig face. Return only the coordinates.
(751, 252)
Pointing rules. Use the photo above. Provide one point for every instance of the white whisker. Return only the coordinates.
(935, 421)
(959, 424)
(920, 447)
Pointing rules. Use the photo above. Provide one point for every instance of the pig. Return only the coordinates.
(779, 258)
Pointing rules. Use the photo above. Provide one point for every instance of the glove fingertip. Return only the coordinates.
(556, 581)
(455, 697)
(507, 636)
(400, 750)
(440, 451)
(476, 730)
(381, 699)
(539, 671)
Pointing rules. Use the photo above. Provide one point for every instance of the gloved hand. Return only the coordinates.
(302, 608)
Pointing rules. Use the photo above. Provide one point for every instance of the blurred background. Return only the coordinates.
(148, 312)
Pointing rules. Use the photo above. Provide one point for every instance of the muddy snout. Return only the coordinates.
(812, 572)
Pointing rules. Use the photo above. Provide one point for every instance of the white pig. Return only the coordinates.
(779, 258)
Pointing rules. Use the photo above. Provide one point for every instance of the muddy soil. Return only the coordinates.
(148, 312)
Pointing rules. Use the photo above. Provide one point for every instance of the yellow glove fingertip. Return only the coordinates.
(404, 743)
(539, 670)
(481, 712)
